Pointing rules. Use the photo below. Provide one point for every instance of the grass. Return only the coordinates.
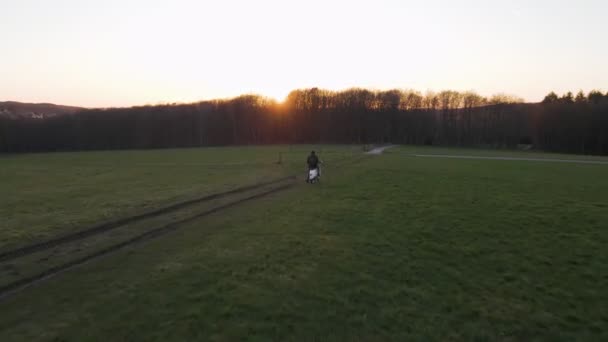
(391, 248)
(44, 195)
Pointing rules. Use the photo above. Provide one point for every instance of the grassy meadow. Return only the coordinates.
(392, 247)
(44, 195)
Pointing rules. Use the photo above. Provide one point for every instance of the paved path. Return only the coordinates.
(379, 150)
(573, 161)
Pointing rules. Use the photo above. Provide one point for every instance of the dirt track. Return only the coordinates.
(379, 150)
(105, 227)
(259, 190)
(16, 286)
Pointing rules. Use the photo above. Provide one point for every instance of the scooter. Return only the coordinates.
(313, 176)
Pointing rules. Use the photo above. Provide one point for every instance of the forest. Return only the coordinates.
(568, 123)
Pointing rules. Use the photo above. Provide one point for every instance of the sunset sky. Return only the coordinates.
(129, 52)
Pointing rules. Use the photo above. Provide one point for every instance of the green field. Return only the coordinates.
(48, 194)
(392, 247)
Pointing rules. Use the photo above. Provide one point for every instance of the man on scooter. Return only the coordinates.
(313, 163)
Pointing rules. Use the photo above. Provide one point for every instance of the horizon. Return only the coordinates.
(267, 97)
(121, 54)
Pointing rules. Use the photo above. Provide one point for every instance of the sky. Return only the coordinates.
(102, 53)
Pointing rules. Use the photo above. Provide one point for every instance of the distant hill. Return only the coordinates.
(15, 110)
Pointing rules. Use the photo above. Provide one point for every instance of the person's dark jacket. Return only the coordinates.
(312, 161)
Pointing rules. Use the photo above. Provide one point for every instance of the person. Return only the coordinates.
(313, 163)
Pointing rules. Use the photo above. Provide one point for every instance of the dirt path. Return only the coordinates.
(379, 150)
(572, 161)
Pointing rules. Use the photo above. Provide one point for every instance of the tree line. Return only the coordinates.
(568, 123)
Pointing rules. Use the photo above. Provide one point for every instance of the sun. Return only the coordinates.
(279, 95)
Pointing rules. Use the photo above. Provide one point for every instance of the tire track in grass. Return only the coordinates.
(108, 226)
(18, 285)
